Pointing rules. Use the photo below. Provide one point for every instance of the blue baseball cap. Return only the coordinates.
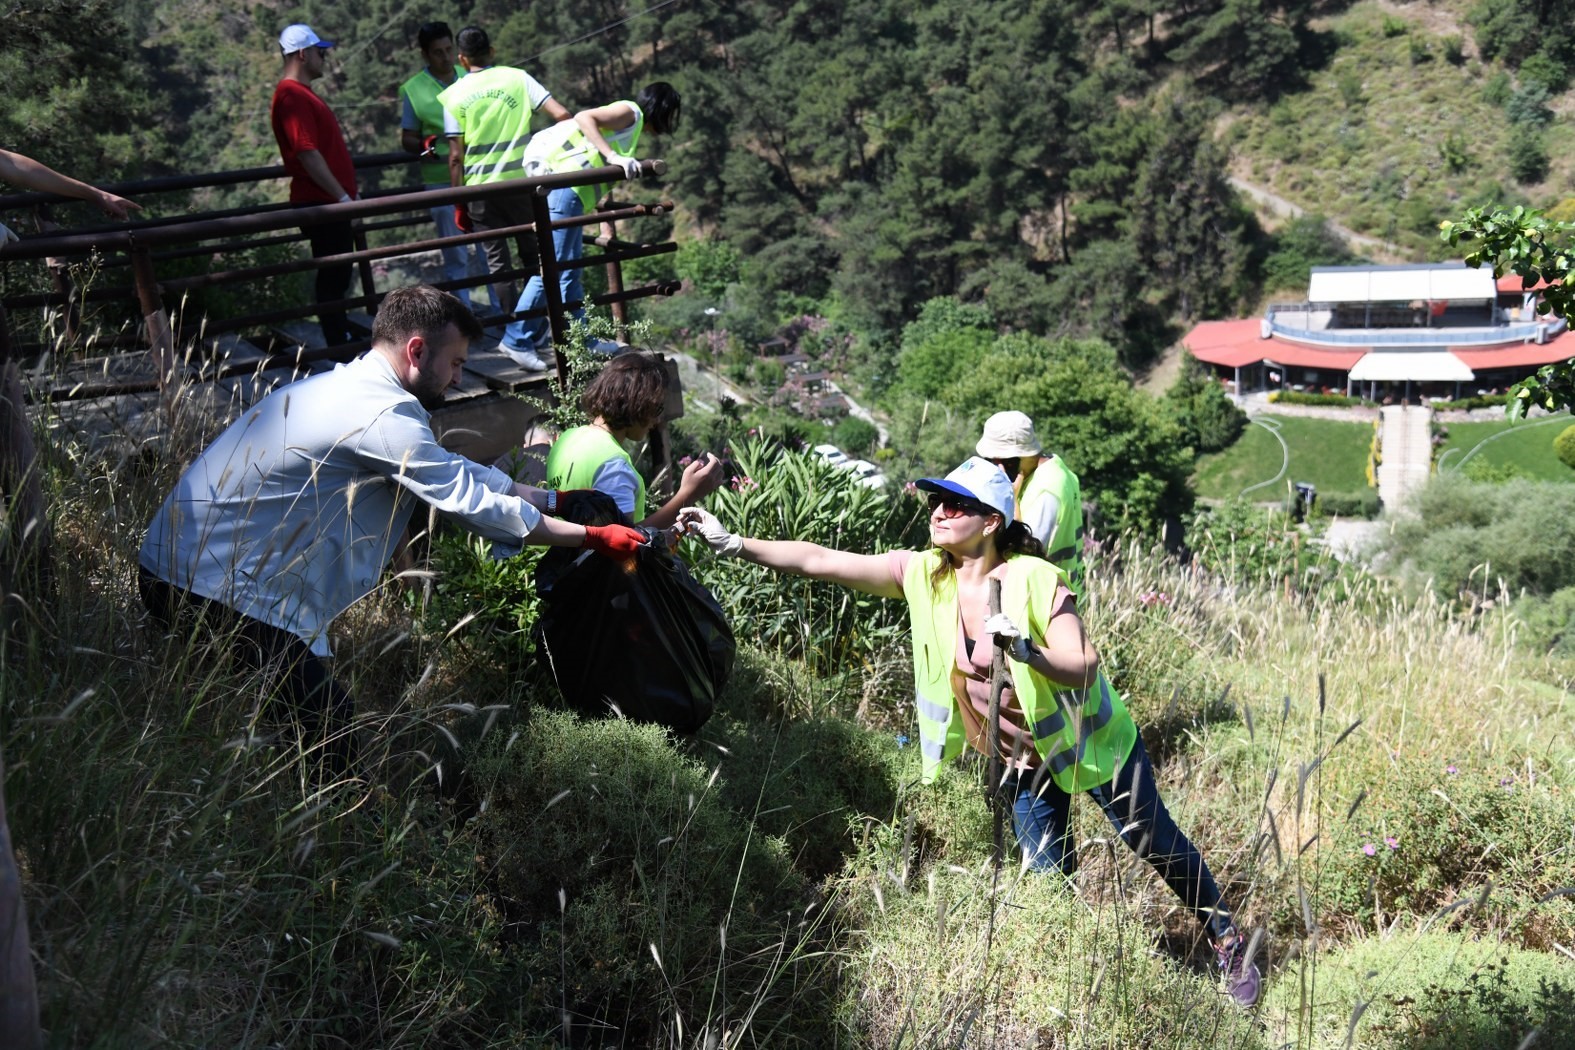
(979, 480)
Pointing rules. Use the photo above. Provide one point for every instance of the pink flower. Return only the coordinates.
(754, 431)
(685, 461)
(910, 488)
(1370, 849)
(1450, 769)
(1391, 842)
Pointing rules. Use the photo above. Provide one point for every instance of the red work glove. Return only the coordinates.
(614, 541)
(426, 146)
(462, 218)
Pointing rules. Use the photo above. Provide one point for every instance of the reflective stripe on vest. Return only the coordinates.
(579, 453)
(1079, 756)
(1064, 545)
(493, 108)
(422, 90)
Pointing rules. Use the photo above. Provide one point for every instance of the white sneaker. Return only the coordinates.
(526, 359)
(605, 347)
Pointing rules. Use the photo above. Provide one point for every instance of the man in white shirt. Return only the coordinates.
(293, 512)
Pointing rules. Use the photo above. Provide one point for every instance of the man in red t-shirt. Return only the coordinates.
(321, 172)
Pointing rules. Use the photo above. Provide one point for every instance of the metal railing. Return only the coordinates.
(141, 247)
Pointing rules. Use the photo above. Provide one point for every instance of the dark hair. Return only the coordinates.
(473, 42)
(660, 104)
(1016, 538)
(431, 32)
(629, 391)
(424, 311)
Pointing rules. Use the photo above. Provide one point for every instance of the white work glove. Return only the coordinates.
(696, 522)
(6, 236)
(1016, 645)
(630, 166)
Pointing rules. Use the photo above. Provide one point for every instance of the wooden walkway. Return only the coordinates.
(485, 417)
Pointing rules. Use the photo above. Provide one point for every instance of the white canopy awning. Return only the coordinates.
(1399, 284)
(1394, 366)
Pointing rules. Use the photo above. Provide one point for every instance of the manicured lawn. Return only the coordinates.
(1527, 446)
(1329, 453)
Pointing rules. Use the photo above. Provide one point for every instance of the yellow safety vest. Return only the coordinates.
(579, 453)
(423, 90)
(1064, 547)
(564, 147)
(493, 107)
(1081, 735)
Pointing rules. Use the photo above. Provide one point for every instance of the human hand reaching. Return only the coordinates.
(696, 522)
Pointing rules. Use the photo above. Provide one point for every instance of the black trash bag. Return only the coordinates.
(642, 637)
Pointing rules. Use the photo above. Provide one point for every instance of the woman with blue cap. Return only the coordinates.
(1062, 729)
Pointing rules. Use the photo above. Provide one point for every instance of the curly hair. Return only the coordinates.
(630, 391)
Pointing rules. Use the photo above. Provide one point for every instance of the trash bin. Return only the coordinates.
(1306, 496)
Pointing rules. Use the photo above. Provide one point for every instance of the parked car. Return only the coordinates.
(832, 454)
(867, 473)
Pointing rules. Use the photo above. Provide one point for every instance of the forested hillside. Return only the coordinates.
(1062, 162)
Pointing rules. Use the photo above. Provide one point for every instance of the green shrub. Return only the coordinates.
(1528, 156)
(1564, 446)
(857, 437)
(1454, 48)
(1546, 70)
(1209, 420)
(1528, 106)
(1548, 622)
(626, 872)
(1436, 990)
(1497, 90)
(1363, 504)
(1474, 401)
(1431, 831)
(1393, 27)
(1418, 49)
(1297, 397)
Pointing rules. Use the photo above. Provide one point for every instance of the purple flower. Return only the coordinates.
(685, 461)
(1391, 842)
(1369, 849)
(1451, 770)
(1507, 783)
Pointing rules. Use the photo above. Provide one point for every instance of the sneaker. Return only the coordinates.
(605, 347)
(1242, 978)
(526, 359)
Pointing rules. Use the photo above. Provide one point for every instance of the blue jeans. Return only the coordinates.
(567, 244)
(459, 260)
(1041, 817)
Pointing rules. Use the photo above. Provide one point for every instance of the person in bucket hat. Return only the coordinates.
(1048, 493)
(1063, 730)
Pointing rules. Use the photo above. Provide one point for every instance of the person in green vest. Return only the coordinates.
(421, 131)
(1063, 730)
(486, 117)
(593, 138)
(1049, 497)
(624, 402)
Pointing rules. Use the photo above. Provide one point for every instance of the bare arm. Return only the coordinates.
(456, 160)
(30, 174)
(554, 109)
(410, 140)
(317, 168)
(1066, 656)
(870, 573)
(614, 117)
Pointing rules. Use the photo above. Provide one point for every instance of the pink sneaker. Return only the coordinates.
(1242, 978)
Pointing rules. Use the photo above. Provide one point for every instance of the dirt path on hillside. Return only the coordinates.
(1279, 206)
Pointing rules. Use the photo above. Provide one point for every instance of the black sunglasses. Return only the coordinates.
(956, 505)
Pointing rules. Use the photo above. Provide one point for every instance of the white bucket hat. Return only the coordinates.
(1008, 435)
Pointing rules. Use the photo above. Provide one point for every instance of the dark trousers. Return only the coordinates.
(290, 671)
(495, 214)
(333, 282)
(1041, 816)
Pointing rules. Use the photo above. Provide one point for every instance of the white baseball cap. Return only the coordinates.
(1008, 435)
(979, 480)
(300, 37)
